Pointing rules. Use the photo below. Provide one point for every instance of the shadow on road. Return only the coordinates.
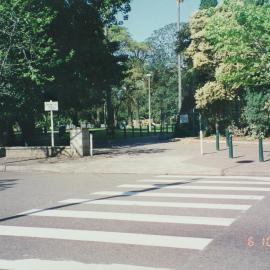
(7, 183)
(123, 195)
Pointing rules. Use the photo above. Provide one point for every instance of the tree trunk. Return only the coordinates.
(75, 119)
(110, 112)
(98, 117)
(129, 115)
(27, 125)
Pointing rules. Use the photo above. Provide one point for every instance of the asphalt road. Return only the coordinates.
(133, 221)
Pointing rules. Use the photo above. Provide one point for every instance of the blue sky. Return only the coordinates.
(149, 15)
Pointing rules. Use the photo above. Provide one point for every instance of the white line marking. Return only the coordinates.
(31, 264)
(241, 207)
(166, 181)
(107, 237)
(204, 182)
(180, 195)
(137, 217)
(195, 187)
(214, 177)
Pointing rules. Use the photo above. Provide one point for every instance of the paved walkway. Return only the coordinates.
(174, 157)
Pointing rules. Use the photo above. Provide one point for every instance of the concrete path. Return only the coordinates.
(174, 157)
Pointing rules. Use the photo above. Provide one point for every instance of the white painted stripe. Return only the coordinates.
(31, 264)
(107, 237)
(205, 182)
(173, 195)
(165, 181)
(172, 204)
(136, 217)
(234, 182)
(241, 207)
(195, 187)
(215, 177)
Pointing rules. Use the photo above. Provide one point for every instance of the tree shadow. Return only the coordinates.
(245, 161)
(7, 183)
(123, 195)
(134, 141)
(131, 152)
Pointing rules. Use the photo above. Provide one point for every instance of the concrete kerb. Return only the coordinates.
(220, 172)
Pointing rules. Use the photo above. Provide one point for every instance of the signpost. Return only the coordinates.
(201, 133)
(50, 107)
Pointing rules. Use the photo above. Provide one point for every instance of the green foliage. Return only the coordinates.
(56, 50)
(241, 37)
(162, 64)
(184, 38)
(215, 101)
(212, 94)
(91, 65)
(130, 96)
(255, 111)
(27, 53)
(239, 34)
(205, 4)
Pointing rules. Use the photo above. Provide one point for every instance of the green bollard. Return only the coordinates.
(230, 146)
(133, 131)
(155, 129)
(217, 140)
(167, 128)
(261, 157)
(140, 130)
(125, 131)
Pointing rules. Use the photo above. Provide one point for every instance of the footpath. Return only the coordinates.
(179, 156)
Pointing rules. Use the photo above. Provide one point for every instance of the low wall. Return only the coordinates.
(37, 152)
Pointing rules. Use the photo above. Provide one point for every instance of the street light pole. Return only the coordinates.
(179, 60)
(149, 101)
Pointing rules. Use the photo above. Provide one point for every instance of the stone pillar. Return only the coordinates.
(80, 142)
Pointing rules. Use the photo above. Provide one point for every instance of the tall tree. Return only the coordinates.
(240, 35)
(27, 53)
(92, 67)
(162, 63)
(131, 91)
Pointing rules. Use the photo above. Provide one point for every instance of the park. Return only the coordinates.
(134, 134)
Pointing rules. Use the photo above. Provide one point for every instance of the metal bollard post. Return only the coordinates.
(155, 129)
(140, 130)
(91, 144)
(230, 146)
(261, 157)
(217, 140)
(133, 131)
(125, 131)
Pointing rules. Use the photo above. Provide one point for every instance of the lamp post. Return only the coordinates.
(149, 100)
(179, 59)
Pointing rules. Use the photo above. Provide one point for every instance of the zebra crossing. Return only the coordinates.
(193, 209)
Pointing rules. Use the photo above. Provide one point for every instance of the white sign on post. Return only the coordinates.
(184, 119)
(50, 107)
